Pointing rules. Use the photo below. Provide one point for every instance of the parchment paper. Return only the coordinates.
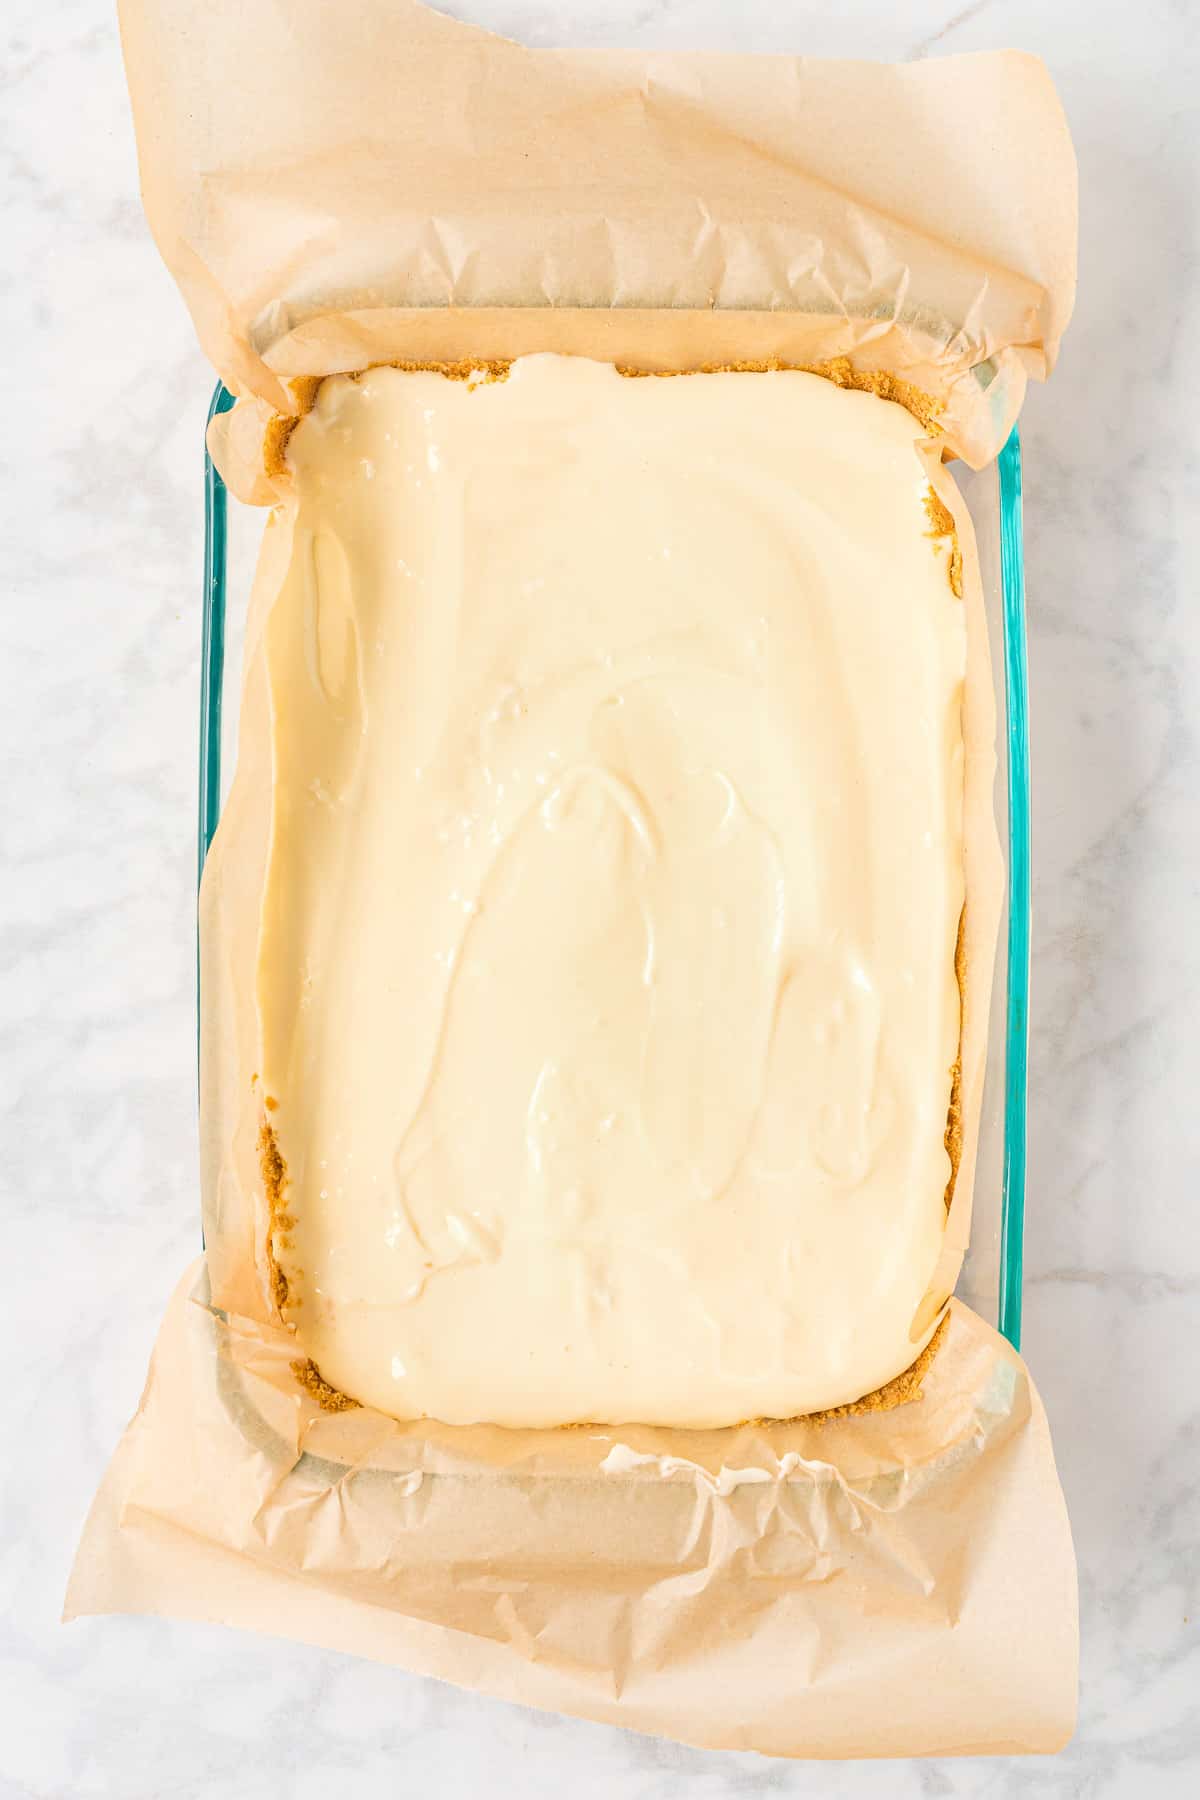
(373, 180)
(895, 1583)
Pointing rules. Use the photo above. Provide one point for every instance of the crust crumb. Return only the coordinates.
(477, 371)
(304, 391)
(897, 1392)
(954, 1121)
(275, 443)
(941, 525)
(840, 370)
(327, 1397)
(274, 1175)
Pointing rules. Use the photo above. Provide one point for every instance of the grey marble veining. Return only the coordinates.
(105, 398)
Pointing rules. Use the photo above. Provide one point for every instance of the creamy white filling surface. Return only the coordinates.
(606, 971)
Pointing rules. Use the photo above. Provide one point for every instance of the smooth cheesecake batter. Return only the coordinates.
(606, 973)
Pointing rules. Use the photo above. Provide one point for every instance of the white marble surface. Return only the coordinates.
(100, 635)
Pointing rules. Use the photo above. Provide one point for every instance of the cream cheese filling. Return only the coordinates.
(606, 969)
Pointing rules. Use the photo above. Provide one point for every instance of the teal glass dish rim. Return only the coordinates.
(1016, 682)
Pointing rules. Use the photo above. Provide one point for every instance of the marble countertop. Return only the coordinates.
(98, 736)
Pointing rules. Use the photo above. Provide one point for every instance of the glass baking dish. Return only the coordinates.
(990, 1282)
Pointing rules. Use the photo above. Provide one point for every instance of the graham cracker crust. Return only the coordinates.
(941, 525)
(925, 409)
(279, 1220)
(327, 1397)
(953, 1139)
